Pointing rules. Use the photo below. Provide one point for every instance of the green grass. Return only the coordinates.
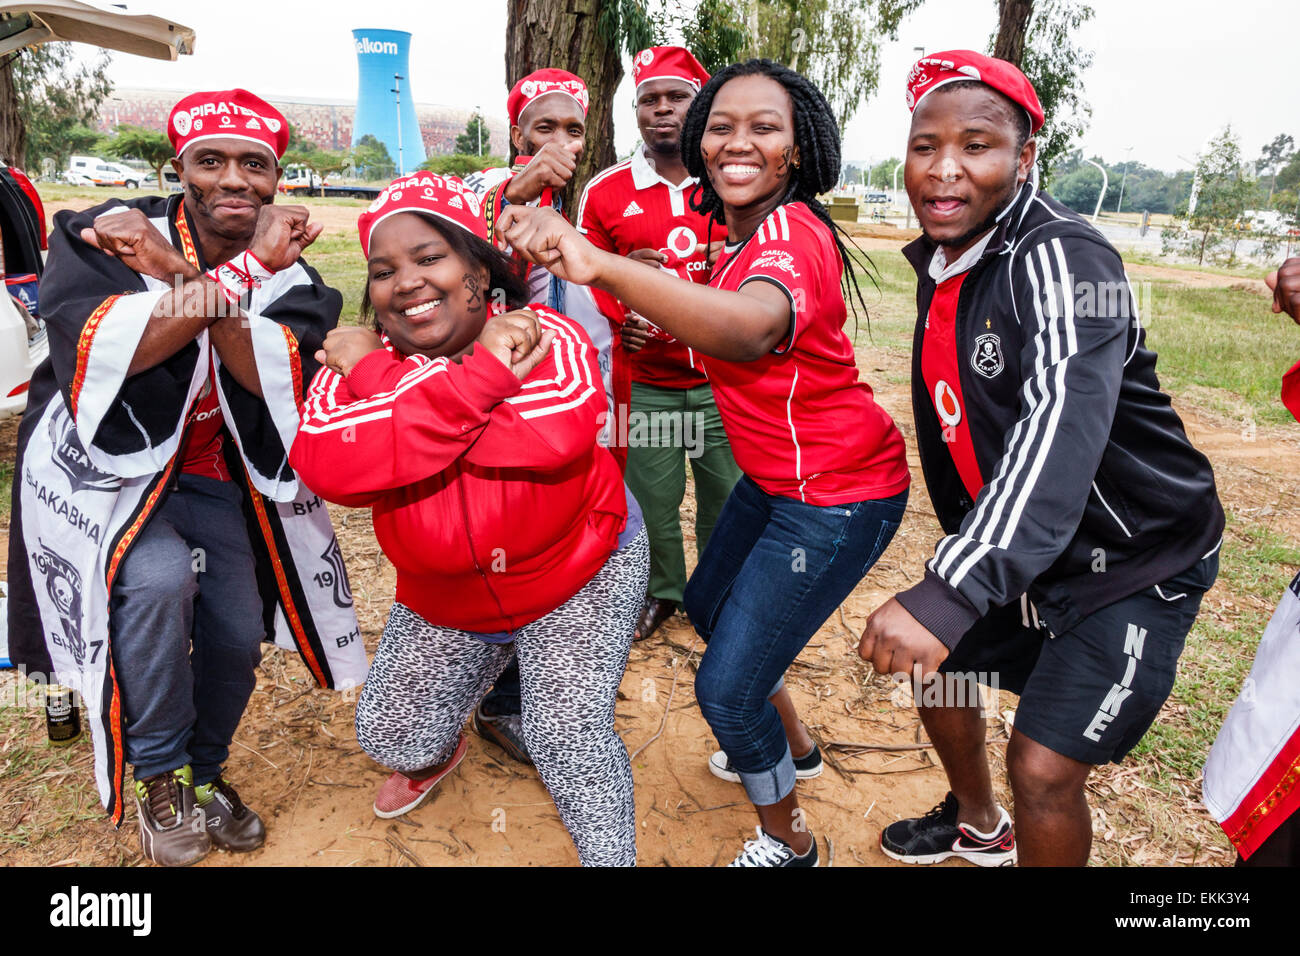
(1223, 340)
(336, 255)
(1245, 270)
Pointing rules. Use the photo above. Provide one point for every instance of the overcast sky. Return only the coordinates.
(1167, 75)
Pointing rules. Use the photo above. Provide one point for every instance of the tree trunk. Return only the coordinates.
(561, 34)
(1013, 20)
(13, 131)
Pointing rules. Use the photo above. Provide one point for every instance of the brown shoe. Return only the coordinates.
(653, 614)
(230, 824)
(171, 831)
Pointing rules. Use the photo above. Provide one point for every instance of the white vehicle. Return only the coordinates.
(74, 178)
(299, 179)
(26, 23)
(1267, 220)
(103, 172)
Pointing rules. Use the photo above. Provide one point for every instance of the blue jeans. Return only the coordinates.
(774, 571)
(186, 626)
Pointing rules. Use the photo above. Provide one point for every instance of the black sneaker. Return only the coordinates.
(805, 767)
(768, 850)
(937, 836)
(231, 824)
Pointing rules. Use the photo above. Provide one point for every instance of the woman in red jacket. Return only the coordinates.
(825, 473)
(472, 435)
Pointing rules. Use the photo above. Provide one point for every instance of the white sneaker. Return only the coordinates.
(768, 850)
(805, 767)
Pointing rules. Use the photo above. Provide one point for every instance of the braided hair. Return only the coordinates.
(817, 136)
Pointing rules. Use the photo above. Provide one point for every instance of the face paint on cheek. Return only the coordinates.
(473, 287)
(196, 194)
(784, 165)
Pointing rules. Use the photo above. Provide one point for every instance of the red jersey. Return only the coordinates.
(203, 455)
(799, 421)
(939, 368)
(630, 206)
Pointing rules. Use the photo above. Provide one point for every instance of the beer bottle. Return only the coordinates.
(62, 715)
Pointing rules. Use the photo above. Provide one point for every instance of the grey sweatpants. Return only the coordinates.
(426, 680)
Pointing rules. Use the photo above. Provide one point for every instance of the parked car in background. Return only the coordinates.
(103, 172)
(23, 24)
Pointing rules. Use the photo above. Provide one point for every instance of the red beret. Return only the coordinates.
(668, 62)
(429, 194)
(227, 114)
(541, 82)
(931, 72)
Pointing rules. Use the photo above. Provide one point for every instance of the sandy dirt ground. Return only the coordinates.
(296, 759)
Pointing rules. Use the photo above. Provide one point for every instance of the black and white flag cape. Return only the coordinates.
(98, 452)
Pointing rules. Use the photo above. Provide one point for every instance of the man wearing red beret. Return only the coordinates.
(1082, 527)
(641, 207)
(159, 534)
(548, 129)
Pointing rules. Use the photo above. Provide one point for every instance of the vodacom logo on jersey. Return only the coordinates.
(947, 404)
(680, 249)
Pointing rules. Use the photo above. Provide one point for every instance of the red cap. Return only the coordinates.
(541, 82)
(429, 194)
(931, 72)
(227, 114)
(668, 63)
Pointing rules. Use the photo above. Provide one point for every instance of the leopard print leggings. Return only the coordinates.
(426, 681)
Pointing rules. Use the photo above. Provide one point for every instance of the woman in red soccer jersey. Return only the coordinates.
(826, 475)
(472, 435)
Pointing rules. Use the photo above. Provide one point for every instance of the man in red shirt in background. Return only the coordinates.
(641, 208)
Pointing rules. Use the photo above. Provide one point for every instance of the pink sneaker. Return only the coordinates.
(400, 793)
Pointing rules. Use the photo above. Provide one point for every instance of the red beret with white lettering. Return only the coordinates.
(931, 72)
(442, 197)
(668, 63)
(541, 82)
(227, 114)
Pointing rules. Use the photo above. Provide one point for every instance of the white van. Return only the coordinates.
(103, 172)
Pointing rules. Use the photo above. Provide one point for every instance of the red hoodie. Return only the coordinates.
(490, 495)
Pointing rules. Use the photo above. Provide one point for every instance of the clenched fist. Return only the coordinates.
(131, 237)
(345, 346)
(282, 233)
(517, 340)
(552, 168)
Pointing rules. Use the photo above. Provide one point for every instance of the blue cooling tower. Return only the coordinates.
(383, 55)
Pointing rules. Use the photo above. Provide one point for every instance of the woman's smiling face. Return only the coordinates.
(748, 145)
(427, 297)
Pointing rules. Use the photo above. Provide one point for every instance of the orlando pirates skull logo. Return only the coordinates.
(337, 575)
(63, 585)
(71, 458)
(987, 357)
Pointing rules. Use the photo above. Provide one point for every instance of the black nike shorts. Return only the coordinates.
(1094, 691)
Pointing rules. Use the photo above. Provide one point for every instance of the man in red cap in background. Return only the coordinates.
(548, 130)
(1082, 527)
(641, 207)
(159, 534)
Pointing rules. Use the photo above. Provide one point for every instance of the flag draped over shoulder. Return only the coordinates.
(98, 452)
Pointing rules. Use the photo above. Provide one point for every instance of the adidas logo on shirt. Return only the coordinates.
(632, 209)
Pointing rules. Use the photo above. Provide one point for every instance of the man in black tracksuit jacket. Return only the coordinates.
(1081, 525)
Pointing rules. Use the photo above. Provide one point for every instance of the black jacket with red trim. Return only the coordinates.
(1092, 490)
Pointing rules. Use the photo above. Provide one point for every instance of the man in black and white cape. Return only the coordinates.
(159, 534)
